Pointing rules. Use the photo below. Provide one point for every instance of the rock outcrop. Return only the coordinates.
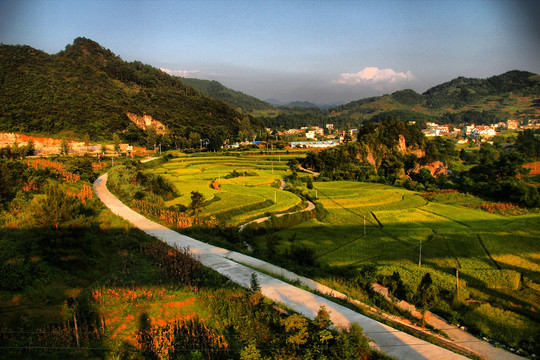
(146, 122)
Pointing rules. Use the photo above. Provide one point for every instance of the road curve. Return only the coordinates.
(389, 340)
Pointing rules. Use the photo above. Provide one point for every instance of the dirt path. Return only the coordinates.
(310, 207)
(309, 171)
(389, 340)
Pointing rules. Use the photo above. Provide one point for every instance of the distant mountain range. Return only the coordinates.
(88, 89)
(300, 104)
(218, 91)
(512, 94)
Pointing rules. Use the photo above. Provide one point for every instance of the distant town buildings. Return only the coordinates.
(436, 129)
(512, 124)
(314, 144)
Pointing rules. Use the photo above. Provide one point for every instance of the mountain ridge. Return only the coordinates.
(88, 89)
(511, 94)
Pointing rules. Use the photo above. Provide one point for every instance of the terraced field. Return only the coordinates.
(384, 227)
(239, 199)
(491, 251)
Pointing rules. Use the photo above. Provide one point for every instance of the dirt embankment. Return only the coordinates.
(45, 146)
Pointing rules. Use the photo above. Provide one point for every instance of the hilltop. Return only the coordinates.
(88, 89)
(509, 95)
(218, 91)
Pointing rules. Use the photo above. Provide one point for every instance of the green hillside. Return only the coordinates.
(234, 98)
(88, 89)
(510, 95)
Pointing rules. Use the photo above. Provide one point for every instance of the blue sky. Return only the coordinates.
(320, 51)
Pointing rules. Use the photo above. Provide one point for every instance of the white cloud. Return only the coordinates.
(182, 73)
(374, 75)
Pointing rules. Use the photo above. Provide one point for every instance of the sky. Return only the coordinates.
(319, 51)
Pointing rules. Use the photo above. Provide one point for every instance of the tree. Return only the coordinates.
(254, 283)
(347, 137)
(272, 240)
(197, 199)
(86, 141)
(309, 183)
(57, 209)
(528, 144)
(250, 352)
(116, 142)
(350, 344)
(64, 147)
(297, 328)
(194, 140)
(30, 148)
(293, 164)
(426, 295)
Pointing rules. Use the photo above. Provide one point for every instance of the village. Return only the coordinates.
(312, 137)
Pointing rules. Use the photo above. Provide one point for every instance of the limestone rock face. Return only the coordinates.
(146, 122)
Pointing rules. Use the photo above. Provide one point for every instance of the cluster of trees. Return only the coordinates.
(18, 152)
(463, 91)
(130, 181)
(498, 174)
(375, 155)
(295, 118)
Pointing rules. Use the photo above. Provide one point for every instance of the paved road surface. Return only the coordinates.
(392, 342)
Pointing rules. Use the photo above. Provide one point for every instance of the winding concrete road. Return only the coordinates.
(384, 338)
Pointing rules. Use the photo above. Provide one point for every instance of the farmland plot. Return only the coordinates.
(240, 198)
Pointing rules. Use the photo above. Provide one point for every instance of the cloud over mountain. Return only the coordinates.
(182, 73)
(374, 75)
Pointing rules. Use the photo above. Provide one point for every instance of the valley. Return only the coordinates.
(386, 202)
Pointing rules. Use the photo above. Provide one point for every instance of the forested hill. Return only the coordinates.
(218, 91)
(88, 89)
(511, 94)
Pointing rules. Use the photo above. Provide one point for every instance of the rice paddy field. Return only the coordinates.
(386, 228)
(370, 224)
(253, 193)
(490, 251)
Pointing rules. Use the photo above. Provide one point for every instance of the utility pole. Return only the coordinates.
(457, 282)
(420, 255)
(364, 224)
(275, 196)
(71, 304)
(244, 177)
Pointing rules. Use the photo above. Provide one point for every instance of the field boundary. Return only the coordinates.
(377, 220)
(444, 217)
(487, 252)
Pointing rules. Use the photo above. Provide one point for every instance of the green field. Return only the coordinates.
(239, 199)
(490, 251)
(383, 227)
